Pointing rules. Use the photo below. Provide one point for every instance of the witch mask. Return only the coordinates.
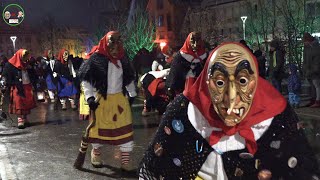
(232, 81)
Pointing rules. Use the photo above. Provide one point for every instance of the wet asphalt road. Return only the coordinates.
(47, 149)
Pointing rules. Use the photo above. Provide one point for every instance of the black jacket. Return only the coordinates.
(13, 77)
(95, 71)
(182, 146)
(178, 72)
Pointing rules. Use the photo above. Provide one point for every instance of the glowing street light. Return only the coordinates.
(244, 18)
(162, 44)
(13, 39)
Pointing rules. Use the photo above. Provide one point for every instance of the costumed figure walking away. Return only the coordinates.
(229, 124)
(84, 109)
(67, 90)
(16, 78)
(187, 63)
(104, 77)
(153, 84)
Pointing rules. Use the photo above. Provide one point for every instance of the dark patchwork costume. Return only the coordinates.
(229, 124)
(188, 62)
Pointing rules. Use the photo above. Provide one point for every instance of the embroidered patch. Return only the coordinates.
(275, 144)
(120, 109)
(177, 126)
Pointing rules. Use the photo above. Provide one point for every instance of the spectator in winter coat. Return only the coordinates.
(311, 67)
(276, 64)
(294, 86)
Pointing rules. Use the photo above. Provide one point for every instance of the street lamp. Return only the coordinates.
(13, 39)
(244, 18)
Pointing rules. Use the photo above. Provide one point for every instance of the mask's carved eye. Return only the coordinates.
(220, 83)
(243, 81)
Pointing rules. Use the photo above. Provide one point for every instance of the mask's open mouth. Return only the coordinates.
(234, 112)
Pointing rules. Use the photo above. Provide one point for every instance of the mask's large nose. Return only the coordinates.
(232, 94)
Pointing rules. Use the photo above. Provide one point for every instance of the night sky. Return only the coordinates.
(74, 13)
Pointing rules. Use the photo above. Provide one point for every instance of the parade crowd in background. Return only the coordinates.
(158, 76)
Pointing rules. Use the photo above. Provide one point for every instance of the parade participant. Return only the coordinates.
(187, 63)
(229, 124)
(52, 71)
(66, 77)
(16, 78)
(84, 109)
(104, 77)
(153, 84)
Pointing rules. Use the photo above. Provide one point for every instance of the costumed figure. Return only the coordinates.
(84, 109)
(67, 91)
(52, 71)
(16, 79)
(229, 124)
(104, 78)
(153, 84)
(187, 63)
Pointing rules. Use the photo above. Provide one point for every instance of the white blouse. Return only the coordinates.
(115, 82)
(213, 169)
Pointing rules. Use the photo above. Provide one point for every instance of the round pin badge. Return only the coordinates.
(167, 130)
(292, 162)
(177, 126)
(177, 162)
(245, 155)
(158, 150)
(275, 144)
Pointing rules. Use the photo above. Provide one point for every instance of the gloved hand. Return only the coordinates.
(92, 103)
(131, 99)
(54, 74)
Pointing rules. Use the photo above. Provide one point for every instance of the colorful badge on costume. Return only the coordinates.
(199, 147)
(177, 126)
(167, 130)
(177, 162)
(158, 150)
(232, 81)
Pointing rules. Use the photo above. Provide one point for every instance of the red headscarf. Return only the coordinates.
(103, 48)
(16, 60)
(267, 103)
(60, 56)
(93, 50)
(186, 48)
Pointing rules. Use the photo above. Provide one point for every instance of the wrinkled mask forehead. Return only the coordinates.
(113, 38)
(232, 80)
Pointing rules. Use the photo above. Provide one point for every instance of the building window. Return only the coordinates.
(221, 32)
(256, 8)
(159, 4)
(160, 21)
(169, 22)
(230, 30)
